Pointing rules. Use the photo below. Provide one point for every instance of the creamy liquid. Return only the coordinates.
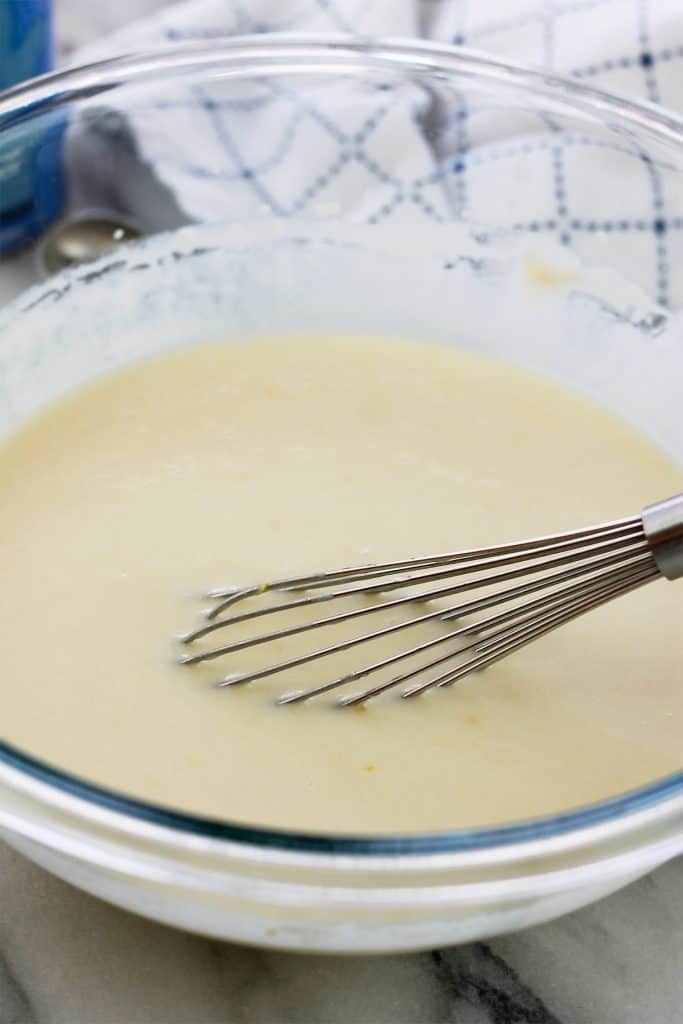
(233, 463)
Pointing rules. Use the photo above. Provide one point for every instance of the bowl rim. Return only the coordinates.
(547, 834)
(260, 56)
(276, 53)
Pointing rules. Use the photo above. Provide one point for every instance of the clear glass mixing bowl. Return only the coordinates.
(284, 184)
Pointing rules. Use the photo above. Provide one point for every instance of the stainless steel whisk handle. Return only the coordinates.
(663, 525)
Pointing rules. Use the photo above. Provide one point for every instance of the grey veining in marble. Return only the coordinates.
(66, 958)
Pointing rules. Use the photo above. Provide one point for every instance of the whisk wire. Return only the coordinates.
(572, 573)
(613, 583)
(578, 538)
(506, 645)
(355, 613)
(467, 568)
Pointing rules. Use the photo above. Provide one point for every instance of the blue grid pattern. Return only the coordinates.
(374, 151)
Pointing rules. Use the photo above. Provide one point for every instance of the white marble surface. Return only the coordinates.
(70, 959)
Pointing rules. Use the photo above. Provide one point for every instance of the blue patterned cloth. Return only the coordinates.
(309, 150)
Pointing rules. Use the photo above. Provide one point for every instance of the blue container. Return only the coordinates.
(31, 181)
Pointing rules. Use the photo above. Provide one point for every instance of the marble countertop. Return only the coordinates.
(67, 958)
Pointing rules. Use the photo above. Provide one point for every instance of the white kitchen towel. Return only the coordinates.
(300, 149)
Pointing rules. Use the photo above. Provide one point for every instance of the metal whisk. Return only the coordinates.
(570, 574)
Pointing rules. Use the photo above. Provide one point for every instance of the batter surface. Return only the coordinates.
(237, 462)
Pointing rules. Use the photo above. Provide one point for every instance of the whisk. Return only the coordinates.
(569, 574)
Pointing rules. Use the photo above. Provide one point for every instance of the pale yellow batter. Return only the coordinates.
(237, 462)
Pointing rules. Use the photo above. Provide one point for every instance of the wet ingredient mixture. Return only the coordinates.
(236, 462)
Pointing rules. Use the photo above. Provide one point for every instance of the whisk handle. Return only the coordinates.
(663, 525)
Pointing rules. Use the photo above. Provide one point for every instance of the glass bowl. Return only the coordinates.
(332, 168)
